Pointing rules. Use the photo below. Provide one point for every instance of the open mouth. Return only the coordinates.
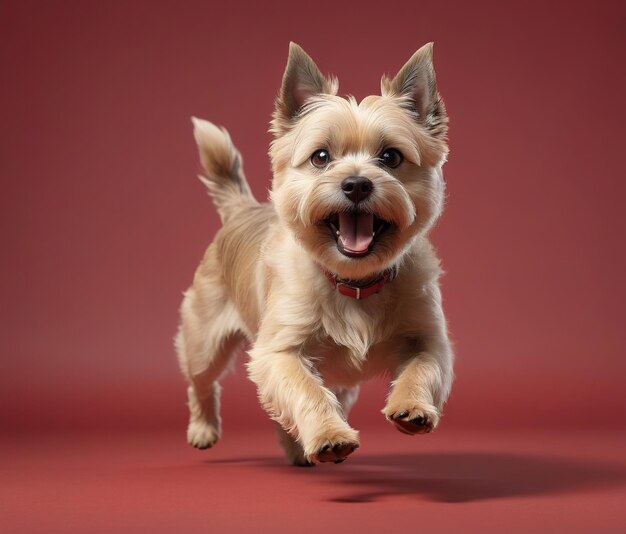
(356, 232)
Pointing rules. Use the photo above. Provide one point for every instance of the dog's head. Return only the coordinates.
(357, 182)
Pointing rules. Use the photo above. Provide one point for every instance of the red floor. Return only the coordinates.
(447, 482)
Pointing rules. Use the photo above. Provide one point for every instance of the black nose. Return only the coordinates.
(357, 188)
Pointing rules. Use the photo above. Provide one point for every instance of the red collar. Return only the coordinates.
(360, 290)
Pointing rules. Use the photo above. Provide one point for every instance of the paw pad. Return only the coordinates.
(413, 423)
(336, 453)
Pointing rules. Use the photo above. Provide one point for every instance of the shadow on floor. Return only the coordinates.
(464, 477)
(458, 477)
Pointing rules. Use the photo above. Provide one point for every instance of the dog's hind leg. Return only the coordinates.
(207, 340)
(293, 450)
(347, 397)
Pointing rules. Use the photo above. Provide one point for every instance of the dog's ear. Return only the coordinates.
(302, 79)
(416, 82)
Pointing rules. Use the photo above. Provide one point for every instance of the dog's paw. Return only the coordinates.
(417, 419)
(293, 450)
(335, 447)
(202, 435)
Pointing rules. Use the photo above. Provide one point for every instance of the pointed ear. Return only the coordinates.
(302, 79)
(416, 81)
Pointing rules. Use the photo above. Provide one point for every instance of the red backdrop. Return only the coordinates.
(103, 220)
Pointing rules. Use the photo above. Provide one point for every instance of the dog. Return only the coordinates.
(333, 281)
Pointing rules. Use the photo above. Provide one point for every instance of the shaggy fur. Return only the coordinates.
(262, 279)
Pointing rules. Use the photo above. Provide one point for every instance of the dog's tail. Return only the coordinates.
(222, 163)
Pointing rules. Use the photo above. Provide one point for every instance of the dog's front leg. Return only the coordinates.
(295, 396)
(421, 387)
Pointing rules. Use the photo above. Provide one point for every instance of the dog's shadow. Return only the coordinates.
(463, 477)
(460, 476)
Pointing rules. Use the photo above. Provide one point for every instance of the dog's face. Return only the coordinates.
(357, 182)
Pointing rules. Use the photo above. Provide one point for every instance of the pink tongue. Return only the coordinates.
(356, 231)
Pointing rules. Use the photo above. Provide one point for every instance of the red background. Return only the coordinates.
(103, 220)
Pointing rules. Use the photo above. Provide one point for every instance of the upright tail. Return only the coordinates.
(222, 163)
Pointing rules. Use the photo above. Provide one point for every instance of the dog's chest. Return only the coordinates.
(355, 343)
(339, 366)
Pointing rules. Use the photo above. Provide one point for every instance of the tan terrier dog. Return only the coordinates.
(334, 280)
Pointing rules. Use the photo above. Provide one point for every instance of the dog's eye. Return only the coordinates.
(320, 158)
(391, 157)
